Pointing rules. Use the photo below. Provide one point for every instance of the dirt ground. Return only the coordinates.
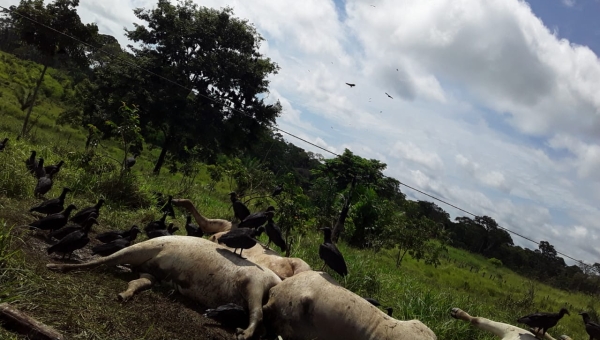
(83, 304)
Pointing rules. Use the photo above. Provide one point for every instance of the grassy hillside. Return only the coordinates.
(83, 304)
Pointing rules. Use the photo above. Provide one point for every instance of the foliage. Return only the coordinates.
(292, 212)
(128, 132)
(61, 16)
(495, 262)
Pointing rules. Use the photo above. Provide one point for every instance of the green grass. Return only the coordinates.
(82, 305)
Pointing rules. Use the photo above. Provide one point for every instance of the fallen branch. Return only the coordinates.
(16, 320)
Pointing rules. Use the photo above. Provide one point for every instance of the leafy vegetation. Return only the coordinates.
(94, 113)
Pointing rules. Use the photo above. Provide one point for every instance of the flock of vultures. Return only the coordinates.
(68, 231)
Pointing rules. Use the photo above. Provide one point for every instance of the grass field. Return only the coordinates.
(83, 305)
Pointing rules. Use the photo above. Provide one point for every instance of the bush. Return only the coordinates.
(96, 177)
(494, 261)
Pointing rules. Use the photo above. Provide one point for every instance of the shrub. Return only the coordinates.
(494, 261)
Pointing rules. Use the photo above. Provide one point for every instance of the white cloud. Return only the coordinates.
(569, 3)
(451, 66)
(413, 153)
(493, 178)
(587, 156)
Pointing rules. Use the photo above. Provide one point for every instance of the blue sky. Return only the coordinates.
(576, 21)
(495, 108)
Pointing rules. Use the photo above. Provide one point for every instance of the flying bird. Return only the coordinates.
(389, 95)
(351, 85)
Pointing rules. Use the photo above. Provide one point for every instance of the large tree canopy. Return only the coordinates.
(216, 56)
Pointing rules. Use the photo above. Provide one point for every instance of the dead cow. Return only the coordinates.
(199, 269)
(502, 330)
(311, 305)
(284, 267)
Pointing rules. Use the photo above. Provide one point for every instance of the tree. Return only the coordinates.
(61, 16)
(414, 237)
(349, 170)
(215, 59)
(433, 212)
(128, 132)
(548, 250)
(495, 236)
(9, 39)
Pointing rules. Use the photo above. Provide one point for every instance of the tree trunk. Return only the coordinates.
(88, 140)
(400, 258)
(35, 93)
(339, 225)
(163, 154)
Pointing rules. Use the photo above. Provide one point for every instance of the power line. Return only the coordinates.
(273, 127)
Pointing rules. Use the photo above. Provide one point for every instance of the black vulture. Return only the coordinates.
(116, 245)
(171, 229)
(39, 170)
(75, 240)
(278, 190)
(351, 85)
(191, 229)
(64, 231)
(54, 221)
(31, 163)
(229, 315)
(3, 144)
(44, 184)
(83, 214)
(112, 235)
(257, 219)
(52, 206)
(240, 210)
(168, 207)
(390, 311)
(373, 302)
(329, 253)
(592, 328)
(241, 238)
(543, 321)
(159, 224)
(389, 95)
(53, 169)
(274, 233)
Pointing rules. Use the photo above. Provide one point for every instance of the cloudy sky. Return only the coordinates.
(496, 103)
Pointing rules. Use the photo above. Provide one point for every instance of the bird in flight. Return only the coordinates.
(389, 95)
(351, 85)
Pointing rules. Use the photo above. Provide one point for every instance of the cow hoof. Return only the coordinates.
(122, 297)
(243, 334)
(455, 312)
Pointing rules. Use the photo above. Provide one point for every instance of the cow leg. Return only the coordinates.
(497, 328)
(144, 282)
(255, 292)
